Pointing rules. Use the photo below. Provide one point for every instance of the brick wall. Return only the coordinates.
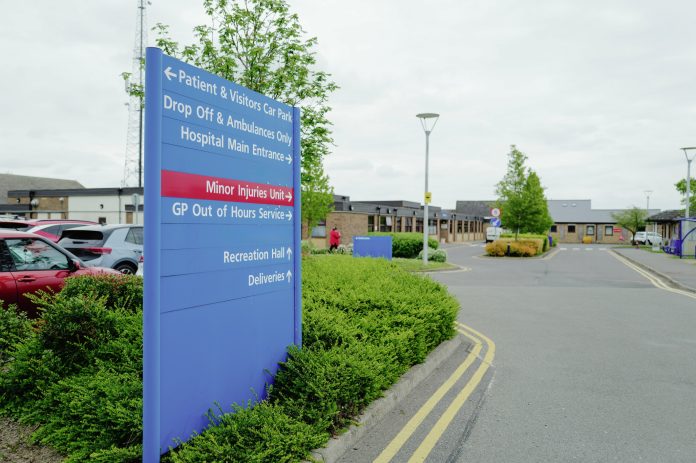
(349, 224)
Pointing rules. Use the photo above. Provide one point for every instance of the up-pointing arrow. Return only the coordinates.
(168, 72)
(289, 254)
(289, 275)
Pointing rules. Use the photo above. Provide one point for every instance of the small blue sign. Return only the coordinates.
(222, 237)
(372, 246)
(495, 222)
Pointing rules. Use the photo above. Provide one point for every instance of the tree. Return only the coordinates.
(521, 197)
(537, 218)
(631, 219)
(317, 197)
(510, 191)
(260, 44)
(681, 188)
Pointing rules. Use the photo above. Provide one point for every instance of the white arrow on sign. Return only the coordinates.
(290, 197)
(289, 254)
(289, 215)
(289, 275)
(289, 159)
(168, 72)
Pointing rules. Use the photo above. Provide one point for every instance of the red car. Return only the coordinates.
(29, 262)
(48, 228)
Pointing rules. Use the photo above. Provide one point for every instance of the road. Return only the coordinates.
(589, 362)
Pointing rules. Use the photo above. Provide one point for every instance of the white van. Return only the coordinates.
(493, 233)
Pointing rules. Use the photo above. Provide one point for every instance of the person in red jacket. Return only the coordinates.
(334, 239)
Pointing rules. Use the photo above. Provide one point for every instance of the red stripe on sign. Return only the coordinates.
(192, 186)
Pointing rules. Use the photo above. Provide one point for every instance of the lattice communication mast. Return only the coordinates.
(133, 167)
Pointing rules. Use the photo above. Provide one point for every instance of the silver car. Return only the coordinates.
(116, 246)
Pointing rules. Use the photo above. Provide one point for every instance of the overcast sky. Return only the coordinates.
(599, 94)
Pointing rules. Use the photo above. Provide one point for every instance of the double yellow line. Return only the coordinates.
(428, 443)
(657, 282)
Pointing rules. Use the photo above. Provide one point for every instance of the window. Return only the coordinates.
(589, 230)
(409, 224)
(370, 223)
(571, 228)
(319, 231)
(30, 254)
(135, 235)
(554, 229)
(608, 230)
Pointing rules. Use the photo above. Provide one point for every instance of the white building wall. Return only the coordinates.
(111, 208)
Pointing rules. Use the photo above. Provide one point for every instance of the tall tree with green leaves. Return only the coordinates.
(537, 217)
(681, 188)
(631, 219)
(510, 191)
(261, 45)
(317, 196)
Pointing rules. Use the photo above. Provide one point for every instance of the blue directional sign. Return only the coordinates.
(495, 222)
(372, 246)
(222, 240)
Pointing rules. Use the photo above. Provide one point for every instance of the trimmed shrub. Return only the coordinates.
(262, 433)
(496, 248)
(94, 411)
(76, 372)
(435, 255)
(522, 249)
(407, 245)
(14, 328)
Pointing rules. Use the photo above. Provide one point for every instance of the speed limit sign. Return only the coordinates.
(495, 212)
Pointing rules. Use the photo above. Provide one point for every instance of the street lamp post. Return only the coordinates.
(428, 121)
(647, 214)
(688, 176)
(688, 189)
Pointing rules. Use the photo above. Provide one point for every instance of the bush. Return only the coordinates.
(522, 249)
(435, 255)
(14, 328)
(262, 433)
(407, 245)
(496, 248)
(76, 372)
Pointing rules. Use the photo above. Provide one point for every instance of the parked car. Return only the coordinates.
(493, 233)
(648, 238)
(116, 246)
(48, 228)
(29, 263)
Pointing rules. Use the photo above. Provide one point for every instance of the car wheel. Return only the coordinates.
(126, 268)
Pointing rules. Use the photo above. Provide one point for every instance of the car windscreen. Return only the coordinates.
(93, 237)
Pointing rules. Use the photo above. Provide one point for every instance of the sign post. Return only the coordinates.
(222, 238)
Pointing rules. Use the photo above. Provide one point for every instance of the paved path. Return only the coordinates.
(681, 271)
(593, 361)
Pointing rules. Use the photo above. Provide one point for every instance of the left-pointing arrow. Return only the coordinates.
(168, 72)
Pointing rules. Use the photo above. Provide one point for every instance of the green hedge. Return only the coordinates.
(76, 374)
(407, 245)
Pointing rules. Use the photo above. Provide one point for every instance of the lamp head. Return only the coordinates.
(686, 152)
(428, 121)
